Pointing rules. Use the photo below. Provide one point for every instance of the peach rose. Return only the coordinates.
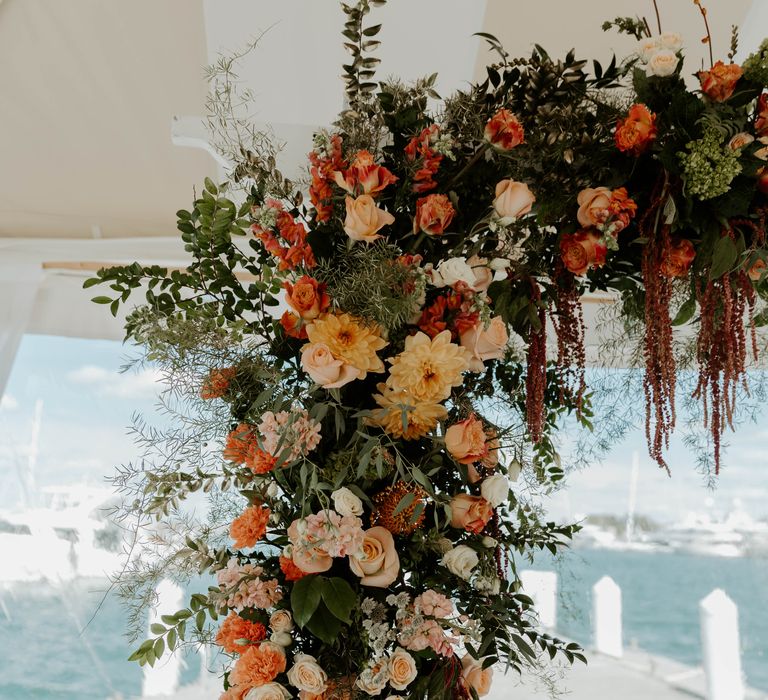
(635, 132)
(594, 206)
(761, 119)
(475, 676)
(364, 218)
(320, 364)
(281, 621)
(719, 82)
(307, 297)
(466, 440)
(402, 669)
(582, 250)
(504, 130)
(513, 199)
(434, 214)
(680, 257)
(306, 675)
(485, 343)
(483, 273)
(757, 270)
(470, 513)
(378, 565)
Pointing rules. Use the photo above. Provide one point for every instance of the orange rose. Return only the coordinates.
(513, 199)
(434, 214)
(761, 120)
(364, 218)
(594, 203)
(719, 82)
(466, 440)
(471, 513)
(582, 250)
(757, 270)
(378, 565)
(307, 297)
(485, 343)
(475, 676)
(318, 362)
(504, 130)
(680, 257)
(635, 132)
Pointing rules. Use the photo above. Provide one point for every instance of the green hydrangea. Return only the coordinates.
(709, 166)
(756, 66)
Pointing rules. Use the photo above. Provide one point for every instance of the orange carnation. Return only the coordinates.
(504, 130)
(434, 214)
(234, 629)
(679, 260)
(636, 131)
(217, 383)
(241, 442)
(582, 250)
(260, 462)
(719, 82)
(291, 571)
(247, 529)
(258, 665)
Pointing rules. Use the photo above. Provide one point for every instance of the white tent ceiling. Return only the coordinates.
(90, 89)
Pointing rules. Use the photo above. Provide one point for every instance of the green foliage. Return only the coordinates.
(755, 66)
(634, 26)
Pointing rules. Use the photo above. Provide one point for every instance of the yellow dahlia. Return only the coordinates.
(349, 340)
(402, 417)
(429, 367)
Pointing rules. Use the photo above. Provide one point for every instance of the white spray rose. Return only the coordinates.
(282, 639)
(514, 469)
(495, 489)
(346, 503)
(671, 40)
(268, 691)
(662, 64)
(460, 561)
(453, 270)
(646, 48)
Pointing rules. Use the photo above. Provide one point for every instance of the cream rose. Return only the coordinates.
(346, 503)
(282, 639)
(513, 199)
(662, 64)
(475, 676)
(646, 48)
(485, 343)
(378, 564)
(451, 271)
(483, 273)
(364, 218)
(671, 40)
(402, 669)
(373, 680)
(460, 561)
(306, 674)
(281, 621)
(495, 489)
(268, 691)
(318, 362)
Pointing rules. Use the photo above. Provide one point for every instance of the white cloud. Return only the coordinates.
(8, 403)
(143, 384)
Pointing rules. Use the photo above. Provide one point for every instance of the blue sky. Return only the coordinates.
(87, 406)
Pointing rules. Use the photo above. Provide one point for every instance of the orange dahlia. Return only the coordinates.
(235, 633)
(247, 529)
(401, 416)
(349, 340)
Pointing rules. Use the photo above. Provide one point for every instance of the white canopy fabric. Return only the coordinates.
(92, 91)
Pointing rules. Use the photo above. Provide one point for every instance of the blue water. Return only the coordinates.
(43, 655)
(660, 596)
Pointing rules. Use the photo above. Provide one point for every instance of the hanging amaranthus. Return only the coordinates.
(536, 375)
(721, 348)
(659, 380)
(568, 321)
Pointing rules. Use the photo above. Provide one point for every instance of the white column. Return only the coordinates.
(542, 587)
(720, 647)
(606, 617)
(162, 679)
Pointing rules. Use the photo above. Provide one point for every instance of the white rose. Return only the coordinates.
(282, 639)
(306, 674)
(646, 48)
(444, 545)
(281, 621)
(346, 503)
(460, 561)
(451, 271)
(402, 669)
(273, 489)
(499, 264)
(268, 691)
(489, 542)
(671, 40)
(662, 64)
(514, 469)
(495, 489)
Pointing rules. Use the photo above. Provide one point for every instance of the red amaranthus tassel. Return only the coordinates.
(721, 348)
(660, 378)
(568, 320)
(536, 375)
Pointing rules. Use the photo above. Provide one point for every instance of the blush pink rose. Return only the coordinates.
(320, 364)
(485, 343)
(470, 513)
(475, 676)
(513, 199)
(311, 560)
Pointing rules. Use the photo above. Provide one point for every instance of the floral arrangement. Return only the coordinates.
(374, 363)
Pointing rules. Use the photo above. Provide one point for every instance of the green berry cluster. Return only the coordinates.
(709, 165)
